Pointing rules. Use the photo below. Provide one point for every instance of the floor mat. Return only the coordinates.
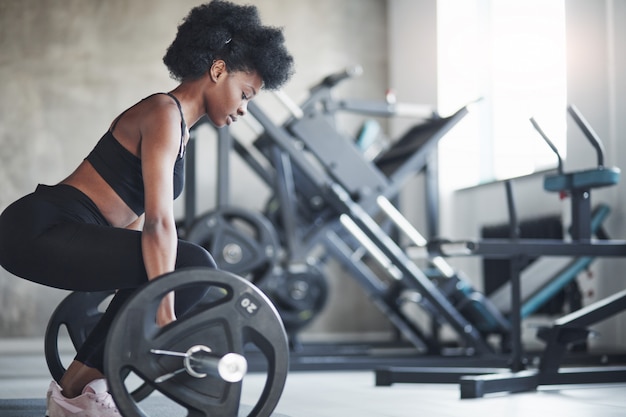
(153, 406)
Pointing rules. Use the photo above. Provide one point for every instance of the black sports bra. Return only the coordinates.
(122, 170)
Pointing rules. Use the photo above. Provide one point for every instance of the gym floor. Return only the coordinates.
(24, 375)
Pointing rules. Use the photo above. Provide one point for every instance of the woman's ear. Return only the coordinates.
(217, 70)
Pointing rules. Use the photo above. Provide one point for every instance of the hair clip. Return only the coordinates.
(228, 41)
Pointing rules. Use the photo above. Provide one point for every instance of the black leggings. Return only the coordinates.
(57, 237)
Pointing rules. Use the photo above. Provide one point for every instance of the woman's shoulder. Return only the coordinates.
(149, 117)
(158, 101)
(157, 107)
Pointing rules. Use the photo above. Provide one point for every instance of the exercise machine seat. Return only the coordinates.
(582, 180)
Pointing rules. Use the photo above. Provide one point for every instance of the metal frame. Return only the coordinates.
(566, 330)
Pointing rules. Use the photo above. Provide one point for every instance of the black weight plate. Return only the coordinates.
(299, 293)
(241, 241)
(234, 314)
(79, 313)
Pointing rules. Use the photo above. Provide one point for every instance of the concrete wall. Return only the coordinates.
(68, 67)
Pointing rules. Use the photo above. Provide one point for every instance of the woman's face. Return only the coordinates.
(233, 90)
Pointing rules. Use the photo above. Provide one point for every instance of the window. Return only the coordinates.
(511, 55)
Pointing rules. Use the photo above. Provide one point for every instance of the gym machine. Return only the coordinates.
(565, 331)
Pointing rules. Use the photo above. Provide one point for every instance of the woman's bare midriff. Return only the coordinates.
(86, 179)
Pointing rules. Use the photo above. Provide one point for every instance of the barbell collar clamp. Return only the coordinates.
(199, 361)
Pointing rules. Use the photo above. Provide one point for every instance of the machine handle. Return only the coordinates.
(591, 136)
(334, 79)
(549, 142)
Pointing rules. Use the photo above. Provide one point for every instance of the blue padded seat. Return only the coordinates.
(582, 180)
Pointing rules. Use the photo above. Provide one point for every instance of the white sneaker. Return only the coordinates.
(95, 401)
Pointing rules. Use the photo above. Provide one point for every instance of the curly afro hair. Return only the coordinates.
(233, 33)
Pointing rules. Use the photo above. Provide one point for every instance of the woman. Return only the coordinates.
(110, 224)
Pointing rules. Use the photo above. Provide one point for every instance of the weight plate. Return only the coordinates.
(234, 314)
(241, 241)
(79, 313)
(299, 293)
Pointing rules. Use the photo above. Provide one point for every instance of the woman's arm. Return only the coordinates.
(160, 143)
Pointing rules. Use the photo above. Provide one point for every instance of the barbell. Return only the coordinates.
(200, 360)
